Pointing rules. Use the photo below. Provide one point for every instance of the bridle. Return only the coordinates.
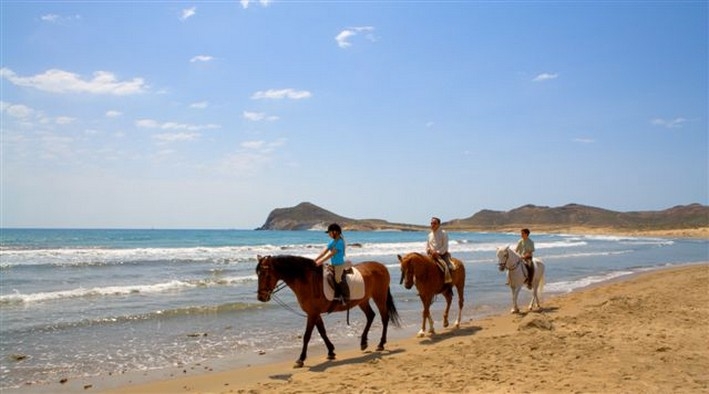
(503, 264)
(405, 269)
(264, 268)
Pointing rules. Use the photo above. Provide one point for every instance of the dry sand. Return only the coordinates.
(646, 334)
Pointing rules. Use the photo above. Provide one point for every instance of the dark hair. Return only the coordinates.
(436, 219)
(334, 227)
(525, 230)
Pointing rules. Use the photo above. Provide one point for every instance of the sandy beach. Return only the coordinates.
(648, 333)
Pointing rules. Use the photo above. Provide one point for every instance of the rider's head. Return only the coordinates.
(435, 222)
(525, 231)
(334, 227)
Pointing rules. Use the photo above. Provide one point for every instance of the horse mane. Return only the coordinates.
(293, 267)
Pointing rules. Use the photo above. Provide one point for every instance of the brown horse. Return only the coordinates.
(305, 279)
(429, 279)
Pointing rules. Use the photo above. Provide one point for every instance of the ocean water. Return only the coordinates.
(81, 303)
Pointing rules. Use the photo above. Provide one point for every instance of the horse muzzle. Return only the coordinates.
(264, 296)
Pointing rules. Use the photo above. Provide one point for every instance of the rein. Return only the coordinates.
(280, 286)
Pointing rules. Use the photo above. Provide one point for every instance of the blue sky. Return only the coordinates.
(210, 114)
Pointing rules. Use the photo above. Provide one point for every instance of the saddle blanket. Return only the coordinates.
(354, 281)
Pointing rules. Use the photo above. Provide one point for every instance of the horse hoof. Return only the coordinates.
(421, 334)
(514, 311)
(380, 348)
(445, 324)
(331, 356)
(363, 347)
(298, 364)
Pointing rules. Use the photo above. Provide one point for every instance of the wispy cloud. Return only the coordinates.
(277, 94)
(584, 140)
(245, 3)
(201, 58)
(188, 13)
(344, 37)
(16, 110)
(669, 123)
(258, 116)
(176, 137)
(60, 81)
(113, 114)
(54, 18)
(545, 77)
(252, 156)
(153, 124)
(199, 105)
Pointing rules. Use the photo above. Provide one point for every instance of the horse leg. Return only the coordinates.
(425, 315)
(461, 299)
(515, 294)
(369, 313)
(323, 334)
(306, 338)
(448, 295)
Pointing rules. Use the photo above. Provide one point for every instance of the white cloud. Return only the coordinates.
(176, 137)
(199, 105)
(545, 77)
(669, 123)
(65, 120)
(584, 140)
(258, 116)
(16, 110)
(201, 58)
(277, 94)
(54, 18)
(113, 114)
(345, 35)
(188, 13)
(153, 124)
(50, 17)
(245, 3)
(59, 81)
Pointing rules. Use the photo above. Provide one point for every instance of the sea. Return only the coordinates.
(78, 303)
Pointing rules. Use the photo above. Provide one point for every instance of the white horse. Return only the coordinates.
(509, 260)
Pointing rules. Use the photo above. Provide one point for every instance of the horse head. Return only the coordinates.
(407, 271)
(507, 258)
(267, 278)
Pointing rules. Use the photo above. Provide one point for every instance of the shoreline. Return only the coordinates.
(577, 327)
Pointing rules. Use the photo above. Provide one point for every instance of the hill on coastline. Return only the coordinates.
(307, 216)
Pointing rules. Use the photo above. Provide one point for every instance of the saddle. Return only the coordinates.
(353, 280)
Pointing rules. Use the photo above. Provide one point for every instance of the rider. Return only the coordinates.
(335, 251)
(437, 247)
(525, 248)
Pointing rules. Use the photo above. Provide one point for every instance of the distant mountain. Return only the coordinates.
(575, 215)
(307, 216)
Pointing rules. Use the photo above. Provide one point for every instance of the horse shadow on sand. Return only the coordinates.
(370, 356)
(449, 334)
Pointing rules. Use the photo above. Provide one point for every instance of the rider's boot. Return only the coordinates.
(344, 291)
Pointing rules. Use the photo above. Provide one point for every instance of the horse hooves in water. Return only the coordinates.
(298, 364)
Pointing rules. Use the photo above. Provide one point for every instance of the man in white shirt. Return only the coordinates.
(437, 247)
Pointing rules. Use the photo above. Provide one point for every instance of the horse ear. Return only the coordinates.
(398, 256)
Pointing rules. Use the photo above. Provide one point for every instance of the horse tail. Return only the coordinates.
(391, 309)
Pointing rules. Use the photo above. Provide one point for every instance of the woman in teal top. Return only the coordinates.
(335, 251)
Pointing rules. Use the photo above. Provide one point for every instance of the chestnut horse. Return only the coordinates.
(305, 279)
(427, 275)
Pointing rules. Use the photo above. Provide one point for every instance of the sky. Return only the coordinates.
(210, 114)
